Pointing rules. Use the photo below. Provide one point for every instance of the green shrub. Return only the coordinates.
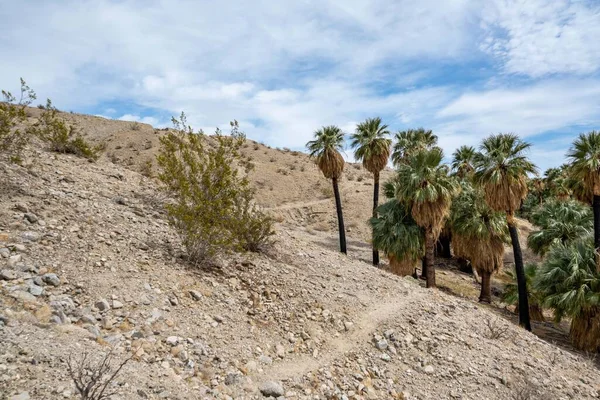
(12, 114)
(63, 138)
(213, 206)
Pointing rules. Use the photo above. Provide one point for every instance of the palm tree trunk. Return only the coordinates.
(375, 203)
(520, 272)
(429, 258)
(424, 268)
(486, 287)
(596, 208)
(340, 217)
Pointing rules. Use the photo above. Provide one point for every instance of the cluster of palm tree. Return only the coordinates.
(473, 203)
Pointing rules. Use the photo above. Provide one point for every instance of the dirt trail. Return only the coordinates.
(360, 333)
(300, 204)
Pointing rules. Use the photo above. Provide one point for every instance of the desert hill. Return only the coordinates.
(88, 261)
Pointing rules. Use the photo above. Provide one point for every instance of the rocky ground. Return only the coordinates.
(89, 263)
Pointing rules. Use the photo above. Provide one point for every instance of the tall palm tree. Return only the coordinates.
(584, 155)
(372, 147)
(423, 183)
(559, 222)
(410, 142)
(462, 161)
(570, 285)
(325, 149)
(501, 169)
(479, 234)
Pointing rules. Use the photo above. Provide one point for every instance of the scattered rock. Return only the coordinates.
(51, 279)
(271, 389)
(14, 260)
(196, 295)
(36, 290)
(116, 304)
(102, 305)
(31, 217)
(428, 369)
(8, 275)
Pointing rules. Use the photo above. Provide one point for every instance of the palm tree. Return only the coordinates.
(585, 168)
(501, 169)
(462, 161)
(479, 234)
(570, 285)
(510, 294)
(372, 147)
(396, 233)
(559, 222)
(325, 149)
(410, 142)
(424, 185)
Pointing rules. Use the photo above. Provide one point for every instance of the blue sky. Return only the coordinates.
(463, 68)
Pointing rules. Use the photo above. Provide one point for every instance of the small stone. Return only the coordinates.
(4, 252)
(51, 279)
(93, 329)
(22, 295)
(30, 236)
(381, 344)
(385, 357)
(271, 389)
(218, 319)
(196, 295)
(88, 319)
(172, 340)
(31, 217)
(14, 260)
(233, 379)
(117, 304)
(8, 275)
(102, 305)
(173, 300)
(20, 396)
(348, 325)
(428, 369)
(36, 290)
(265, 359)
(280, 351)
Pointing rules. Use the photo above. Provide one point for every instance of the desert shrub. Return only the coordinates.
(93, 379)
(135, 126)
(212, 206)
(63, 138)
(256, 146)
(146, 169)
(272, 159)
(12, 114)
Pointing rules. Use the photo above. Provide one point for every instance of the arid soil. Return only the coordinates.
(88, 263)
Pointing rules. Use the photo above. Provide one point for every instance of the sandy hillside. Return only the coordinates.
(88, 262)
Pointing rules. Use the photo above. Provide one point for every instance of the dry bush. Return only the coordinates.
(12, 114)
(146, 169)
(92, 379)
(61, 137)
(256, 147)
(272, 159)
(496, 330)
(302, 168)
(135, 126)
(526, 391)
(212, 206)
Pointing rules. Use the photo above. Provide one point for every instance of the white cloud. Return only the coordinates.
(283, 69)
(540, 37)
